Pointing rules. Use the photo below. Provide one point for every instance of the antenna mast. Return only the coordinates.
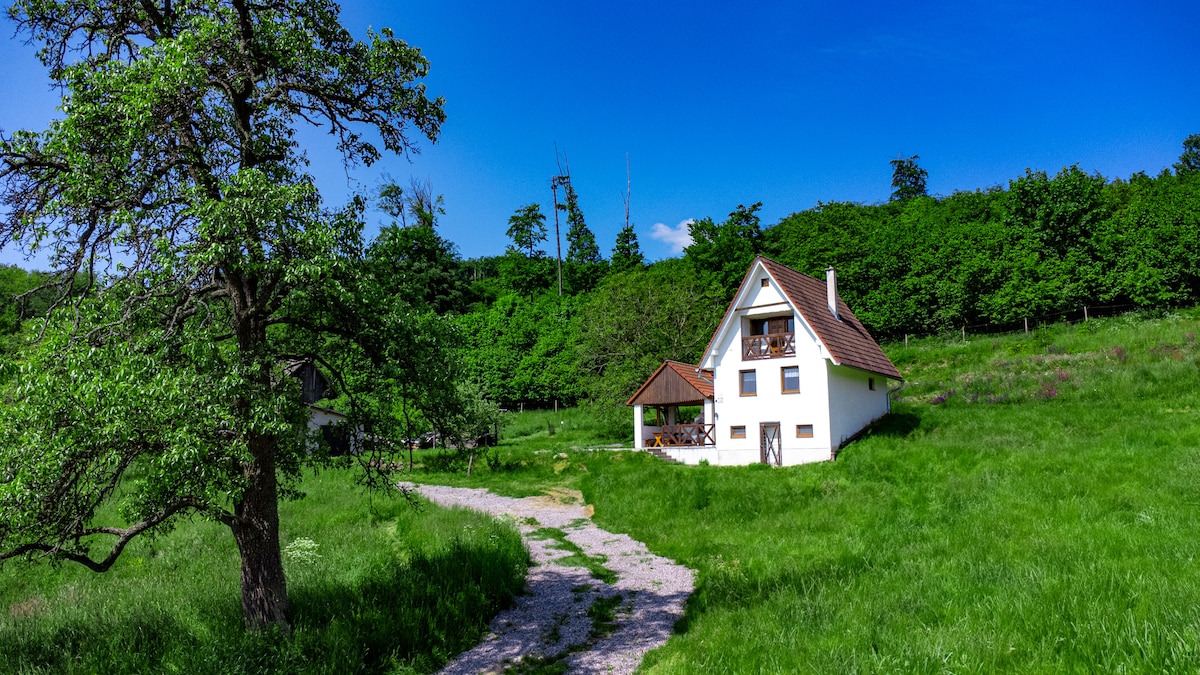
(628, 187)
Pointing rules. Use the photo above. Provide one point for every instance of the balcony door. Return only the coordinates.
(776, 325)
(769, 443)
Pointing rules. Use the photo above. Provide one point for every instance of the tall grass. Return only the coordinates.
(374, 587)
(1030, 506)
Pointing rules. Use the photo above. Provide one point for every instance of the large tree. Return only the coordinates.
(173, 179)
(627, 254)
(908, 178)
(1189, 159)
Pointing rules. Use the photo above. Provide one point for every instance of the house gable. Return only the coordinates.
(756, 301)
(674, 383)
(841, 339)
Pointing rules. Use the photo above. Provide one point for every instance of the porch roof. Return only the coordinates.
(674, 383)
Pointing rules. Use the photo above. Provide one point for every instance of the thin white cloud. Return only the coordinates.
(674, 237)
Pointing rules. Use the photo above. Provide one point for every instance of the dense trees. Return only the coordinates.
(173, 184)
(636, 319)
(721, 253)
(1044, 244)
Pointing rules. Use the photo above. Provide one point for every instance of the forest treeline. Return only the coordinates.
(917, 264)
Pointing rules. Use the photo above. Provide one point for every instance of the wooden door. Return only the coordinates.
(769, 443)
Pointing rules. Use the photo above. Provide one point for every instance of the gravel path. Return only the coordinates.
(550, 620)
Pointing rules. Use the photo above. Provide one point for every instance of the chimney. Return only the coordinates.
(831, 289)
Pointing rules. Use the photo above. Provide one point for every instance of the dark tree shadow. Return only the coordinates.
(895, 424)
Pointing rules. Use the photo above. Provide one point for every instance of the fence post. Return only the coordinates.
(964, 333)
(1027, 325)
(906, 340)
(1085, 316)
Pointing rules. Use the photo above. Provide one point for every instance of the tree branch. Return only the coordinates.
(124, 536)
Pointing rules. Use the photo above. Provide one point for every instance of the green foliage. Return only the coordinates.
(721, 254)
(908, 178)
(1044, 245)
(175, 185)
(1189, 159)
(584, 267)
(376, 586)
(626, 254)
(22, 295)
(581, 243)
(637, 319)
(524, 268)
(523, 350)
(527, 229)
(417, 263)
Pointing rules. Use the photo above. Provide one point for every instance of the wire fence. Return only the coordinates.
(1032, 323)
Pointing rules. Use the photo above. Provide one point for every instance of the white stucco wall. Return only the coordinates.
(808, 406)
(855, 403)
(319, 417)
(693, 455)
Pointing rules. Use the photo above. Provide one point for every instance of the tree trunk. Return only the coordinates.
(256, 521)
(256, 530)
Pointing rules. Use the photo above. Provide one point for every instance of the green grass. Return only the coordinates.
(529, 457)
(1040, 518)
(374, 587)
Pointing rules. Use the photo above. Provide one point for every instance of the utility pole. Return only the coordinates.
(554, 183)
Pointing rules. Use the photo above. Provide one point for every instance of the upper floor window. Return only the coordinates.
(748, 385)
(790, 379)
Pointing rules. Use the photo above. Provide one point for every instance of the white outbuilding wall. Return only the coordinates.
(857, 405)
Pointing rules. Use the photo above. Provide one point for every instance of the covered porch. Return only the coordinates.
(658, 422)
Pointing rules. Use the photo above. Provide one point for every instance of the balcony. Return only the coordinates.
(769, 346)
(686, 435)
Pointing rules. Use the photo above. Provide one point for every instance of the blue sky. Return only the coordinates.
(787, 103)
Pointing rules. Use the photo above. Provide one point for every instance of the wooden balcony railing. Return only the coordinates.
(769, 346)
(684, 434)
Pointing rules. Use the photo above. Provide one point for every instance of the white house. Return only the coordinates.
(790, 376)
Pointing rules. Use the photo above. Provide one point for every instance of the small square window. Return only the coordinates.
(804, 431)
(749, 383)
(790, 378)
(871, 383)
(737, 432)
(764, 283)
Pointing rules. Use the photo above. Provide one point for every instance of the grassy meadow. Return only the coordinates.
(374, 587)
(1030, 506)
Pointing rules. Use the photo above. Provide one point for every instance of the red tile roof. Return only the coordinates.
(847, 341)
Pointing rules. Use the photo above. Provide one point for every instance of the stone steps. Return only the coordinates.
(657, 452)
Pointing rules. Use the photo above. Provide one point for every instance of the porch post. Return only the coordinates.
(638, 427)
(710, 412)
